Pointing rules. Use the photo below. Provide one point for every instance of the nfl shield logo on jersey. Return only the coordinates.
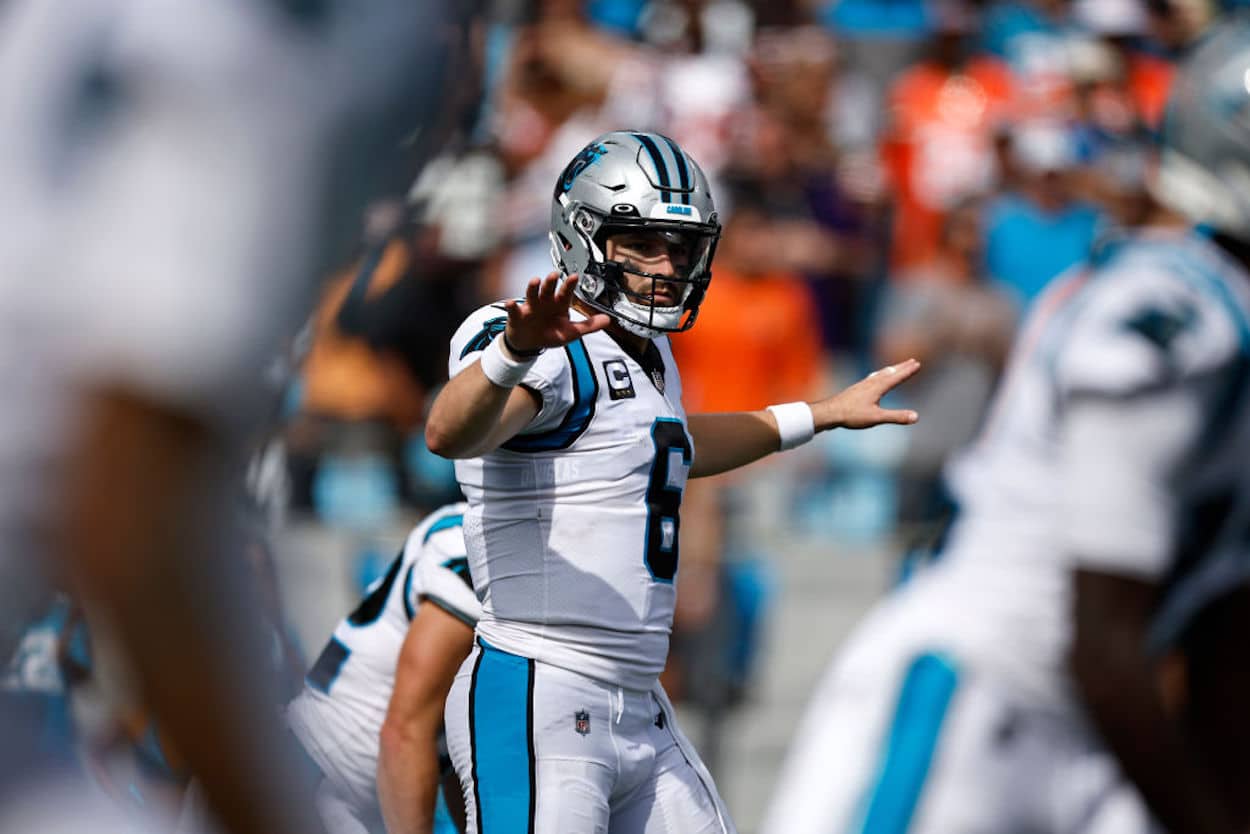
(581, 722)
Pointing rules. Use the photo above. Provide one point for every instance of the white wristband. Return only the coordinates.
(795, 423)
(501, 369)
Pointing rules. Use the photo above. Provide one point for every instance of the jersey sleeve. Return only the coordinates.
(1139, 328)
(1118, 457)
(1137, 381)
(443, 579)
(549, 377)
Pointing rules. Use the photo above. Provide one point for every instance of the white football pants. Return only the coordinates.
(544, 750)
(912, 741)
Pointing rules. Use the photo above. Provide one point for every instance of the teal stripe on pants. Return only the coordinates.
(922, 706)
(501, 730)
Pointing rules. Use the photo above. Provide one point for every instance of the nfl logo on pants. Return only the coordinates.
(581, 722)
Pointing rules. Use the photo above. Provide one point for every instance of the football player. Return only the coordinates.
(564, 415)
(1104, 514)
(174, 177)
(421, 613)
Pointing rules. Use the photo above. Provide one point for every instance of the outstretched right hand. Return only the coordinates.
(542, 319)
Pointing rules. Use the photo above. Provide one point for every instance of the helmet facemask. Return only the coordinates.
(685, 248)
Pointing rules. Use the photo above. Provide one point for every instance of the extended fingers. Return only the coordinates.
(901, 416)
(564, 292)
(547, 288)
(892, 375)
(531, 291)
(592, 324)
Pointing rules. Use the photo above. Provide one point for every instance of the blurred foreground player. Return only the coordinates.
(421, 613)
(173, 176)
(1104, 518)
(564, 413)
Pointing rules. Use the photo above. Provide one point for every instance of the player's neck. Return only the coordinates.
(632, 343)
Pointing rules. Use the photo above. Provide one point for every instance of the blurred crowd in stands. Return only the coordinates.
(896, 178)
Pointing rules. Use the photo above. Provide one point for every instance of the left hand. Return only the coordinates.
(858, 407)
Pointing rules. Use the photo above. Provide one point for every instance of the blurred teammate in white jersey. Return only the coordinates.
(564, 413)
(420, 614)
(174, 176)
(1103, 518)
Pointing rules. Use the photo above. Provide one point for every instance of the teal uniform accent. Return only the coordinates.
(577, 418)
(501, 724)
(923, 704)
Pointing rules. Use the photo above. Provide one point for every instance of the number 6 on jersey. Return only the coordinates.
(673, 456)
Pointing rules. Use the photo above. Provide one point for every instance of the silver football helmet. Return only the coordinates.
(642, 183)
(1204, 168)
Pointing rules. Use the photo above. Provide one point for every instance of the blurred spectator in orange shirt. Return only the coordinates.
(1149, 82)
(938, 148)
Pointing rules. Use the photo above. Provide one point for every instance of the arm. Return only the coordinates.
(727, 441)
(473, 415)
(1130, 427)
(144, 540)
(408, 769)
(1121, 694)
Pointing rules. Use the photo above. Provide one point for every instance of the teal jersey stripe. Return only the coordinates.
(459, 565)
(577, 418)
(444, 523)
(922, 706)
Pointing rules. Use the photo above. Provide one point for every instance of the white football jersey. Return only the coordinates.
(339, 715)
(172, 174)
(572, 525)
(1117, 443)
(166, 168)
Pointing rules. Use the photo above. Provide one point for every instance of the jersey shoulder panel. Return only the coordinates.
(1155, 314)
(551, 375)
(439, 533)
(444, 578)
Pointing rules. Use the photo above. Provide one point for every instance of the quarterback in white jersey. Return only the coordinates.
(573, 449)
(173, 178)
(1012, 687)
(340, 714)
